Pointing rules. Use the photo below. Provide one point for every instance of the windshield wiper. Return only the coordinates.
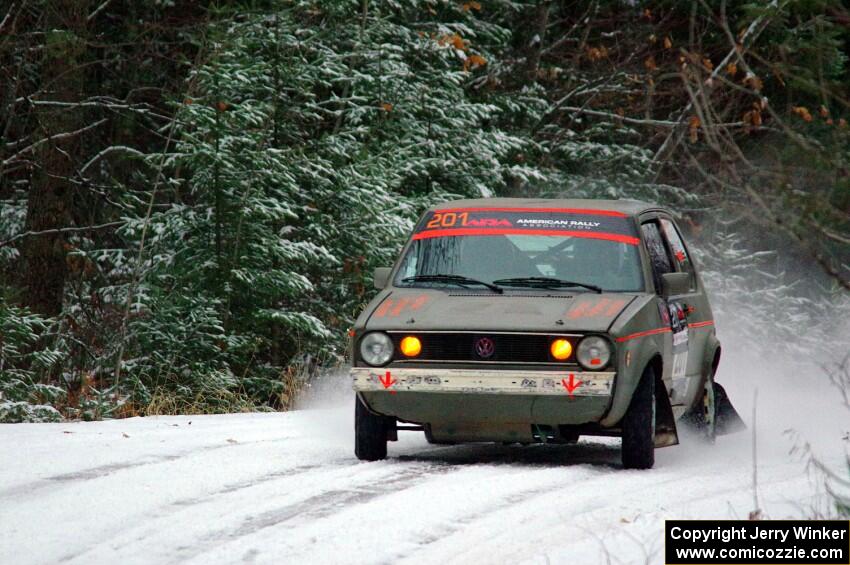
(456, 279)
(545, 282)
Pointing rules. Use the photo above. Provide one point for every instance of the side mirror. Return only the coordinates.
(674, 284)
(381, 277)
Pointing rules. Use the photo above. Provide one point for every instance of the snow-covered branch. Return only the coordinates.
(23, 235)
(56, 137)
(107, 151)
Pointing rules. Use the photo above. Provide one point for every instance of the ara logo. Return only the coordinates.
(489, 223)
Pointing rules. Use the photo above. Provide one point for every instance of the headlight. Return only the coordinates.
(593, 352)
(376, 348)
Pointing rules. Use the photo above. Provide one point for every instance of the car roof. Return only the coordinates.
(625, 206)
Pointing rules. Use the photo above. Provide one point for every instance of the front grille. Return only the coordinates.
(461, 347)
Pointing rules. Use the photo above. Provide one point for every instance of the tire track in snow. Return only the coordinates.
(579, 500)
(535, 463)
(176, 506)
(320, 505)
(583, 464)
(256, 481)
(101, 471)
(532, 499)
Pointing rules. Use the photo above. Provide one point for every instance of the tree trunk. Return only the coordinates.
(535, 47)
(51, 190)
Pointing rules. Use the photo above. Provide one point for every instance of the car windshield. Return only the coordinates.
(609, 265)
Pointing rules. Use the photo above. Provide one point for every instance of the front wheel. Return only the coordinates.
(638, 424)
(370, 434)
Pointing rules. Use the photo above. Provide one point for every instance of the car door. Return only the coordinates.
(693, 305)
(676, 351)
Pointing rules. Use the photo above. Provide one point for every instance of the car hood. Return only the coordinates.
(533, 310)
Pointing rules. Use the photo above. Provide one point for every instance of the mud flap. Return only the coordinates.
(665, 421)
(728, 419)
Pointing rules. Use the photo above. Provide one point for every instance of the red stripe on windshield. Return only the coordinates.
(543, 210)
(514, 231)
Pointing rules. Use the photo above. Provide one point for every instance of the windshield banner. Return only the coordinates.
(563, 222)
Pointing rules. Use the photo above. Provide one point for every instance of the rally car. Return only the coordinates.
(539, 321)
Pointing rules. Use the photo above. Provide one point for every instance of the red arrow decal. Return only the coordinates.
(572, 385)
(387, 380)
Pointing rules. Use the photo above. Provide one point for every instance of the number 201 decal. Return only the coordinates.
(452, 219)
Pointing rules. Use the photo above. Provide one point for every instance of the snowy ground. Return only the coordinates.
(285, 488)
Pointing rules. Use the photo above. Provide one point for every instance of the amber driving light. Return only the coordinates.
(411, 346)
(561, 349)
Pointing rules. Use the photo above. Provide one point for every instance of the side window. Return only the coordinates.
(657, 252)
(680, 254)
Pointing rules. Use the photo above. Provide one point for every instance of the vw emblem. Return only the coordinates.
(484, 347)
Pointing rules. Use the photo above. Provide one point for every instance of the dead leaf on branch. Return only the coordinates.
(454, 40)
(472, 6)
(650, 64)
(752, 119)
(473, 62)
(596, 53)
(802, 112)
(693, 128)
(753, 82)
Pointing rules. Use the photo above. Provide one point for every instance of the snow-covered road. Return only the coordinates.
(285, 488)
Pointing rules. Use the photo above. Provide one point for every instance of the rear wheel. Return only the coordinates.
(706, 411)
(370, 434)
(703, 417)
(638, 424)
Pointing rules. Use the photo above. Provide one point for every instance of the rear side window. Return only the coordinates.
(680, 255)
(657, 252)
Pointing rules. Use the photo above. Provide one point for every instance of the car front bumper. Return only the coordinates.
(483, 381)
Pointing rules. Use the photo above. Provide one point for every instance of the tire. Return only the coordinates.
(703, 416)
(370, 434)
(638, 424)
(705, 412)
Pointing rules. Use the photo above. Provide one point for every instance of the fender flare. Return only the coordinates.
(666, 433)
(710, 362)
(648, 352)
